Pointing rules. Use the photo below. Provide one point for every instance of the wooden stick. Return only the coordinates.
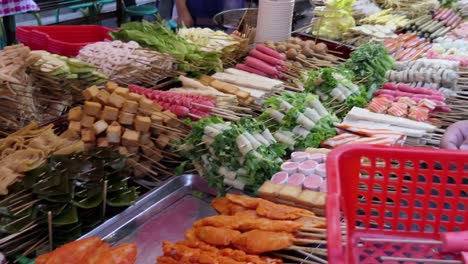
(312, 234)
(295, 258)
(312, 256)
(318, 251)
(309, 241)
(49, 225)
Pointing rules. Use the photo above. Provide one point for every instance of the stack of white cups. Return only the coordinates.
(274, 20)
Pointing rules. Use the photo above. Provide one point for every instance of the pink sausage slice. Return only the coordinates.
(313, 182)
(290, 167)
(318, 157)
(280, 178)
(296, 179)
(321, 170)
(323, 186)
(308, 167)
(299, 156)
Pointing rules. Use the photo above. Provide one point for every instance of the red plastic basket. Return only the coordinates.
(394, 193)
(62, 40)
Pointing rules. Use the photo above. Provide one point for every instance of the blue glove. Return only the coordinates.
(456, 136)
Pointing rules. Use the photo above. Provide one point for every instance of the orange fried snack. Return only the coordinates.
(248, 213)
(186, 255)
(74, 252)
(101, 250)
(258, 241)
(218, 236)
(243, 200)
(280, 212)
(249, 223)
(221, 205)
(122, 254)
(90, 251)
(225, 207)
(166, 260)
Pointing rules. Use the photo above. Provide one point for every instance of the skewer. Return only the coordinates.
(49, 226)
(104, 198)
(312, 256)
(309, 241)
(312, 234)
(318, 251)
(295, 258)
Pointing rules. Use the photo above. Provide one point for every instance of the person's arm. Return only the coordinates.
(183, 13)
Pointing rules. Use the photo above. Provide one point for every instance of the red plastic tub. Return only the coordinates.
(62, 40)
(401, 194)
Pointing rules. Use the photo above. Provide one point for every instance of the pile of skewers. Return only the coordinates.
(18, 106)
(308, 53)
(248, 228)
(259, 87)
(387, 18)
(242, 155)
(186, 105)
(449, 49)
(297, 120)
(418, 133)
(368, 136)
(130, 123)
(430, 73)
(460, 32)
(128, 63)
(38, 86)
(359, 35)
(410, 8)
(406, 47)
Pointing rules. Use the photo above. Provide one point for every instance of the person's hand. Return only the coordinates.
(456, 136)
(185, 18)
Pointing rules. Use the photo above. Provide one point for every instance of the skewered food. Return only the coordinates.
(257, 241)
(363, 34)
(90, 250)
(218, 236)
(231, 148)
(411, 8)
(128, 63)
(443, 73)
(130, 123)
(244, 223)
(157, 37)
(386, 17)
(29, 148)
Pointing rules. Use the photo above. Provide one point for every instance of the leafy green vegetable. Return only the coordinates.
(369, 63)
(160, 38)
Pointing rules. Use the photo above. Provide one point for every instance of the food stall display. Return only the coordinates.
(260, 121)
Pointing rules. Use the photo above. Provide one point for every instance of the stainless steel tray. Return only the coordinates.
(161, 215)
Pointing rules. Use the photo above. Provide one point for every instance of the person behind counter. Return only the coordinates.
(456, 136)
(200, 12)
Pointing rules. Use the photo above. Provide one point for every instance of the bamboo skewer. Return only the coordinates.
(295, 258)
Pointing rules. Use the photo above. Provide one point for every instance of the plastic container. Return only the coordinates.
(62, 40)
(394, 193)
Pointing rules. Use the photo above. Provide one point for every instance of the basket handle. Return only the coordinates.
(334, 246)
